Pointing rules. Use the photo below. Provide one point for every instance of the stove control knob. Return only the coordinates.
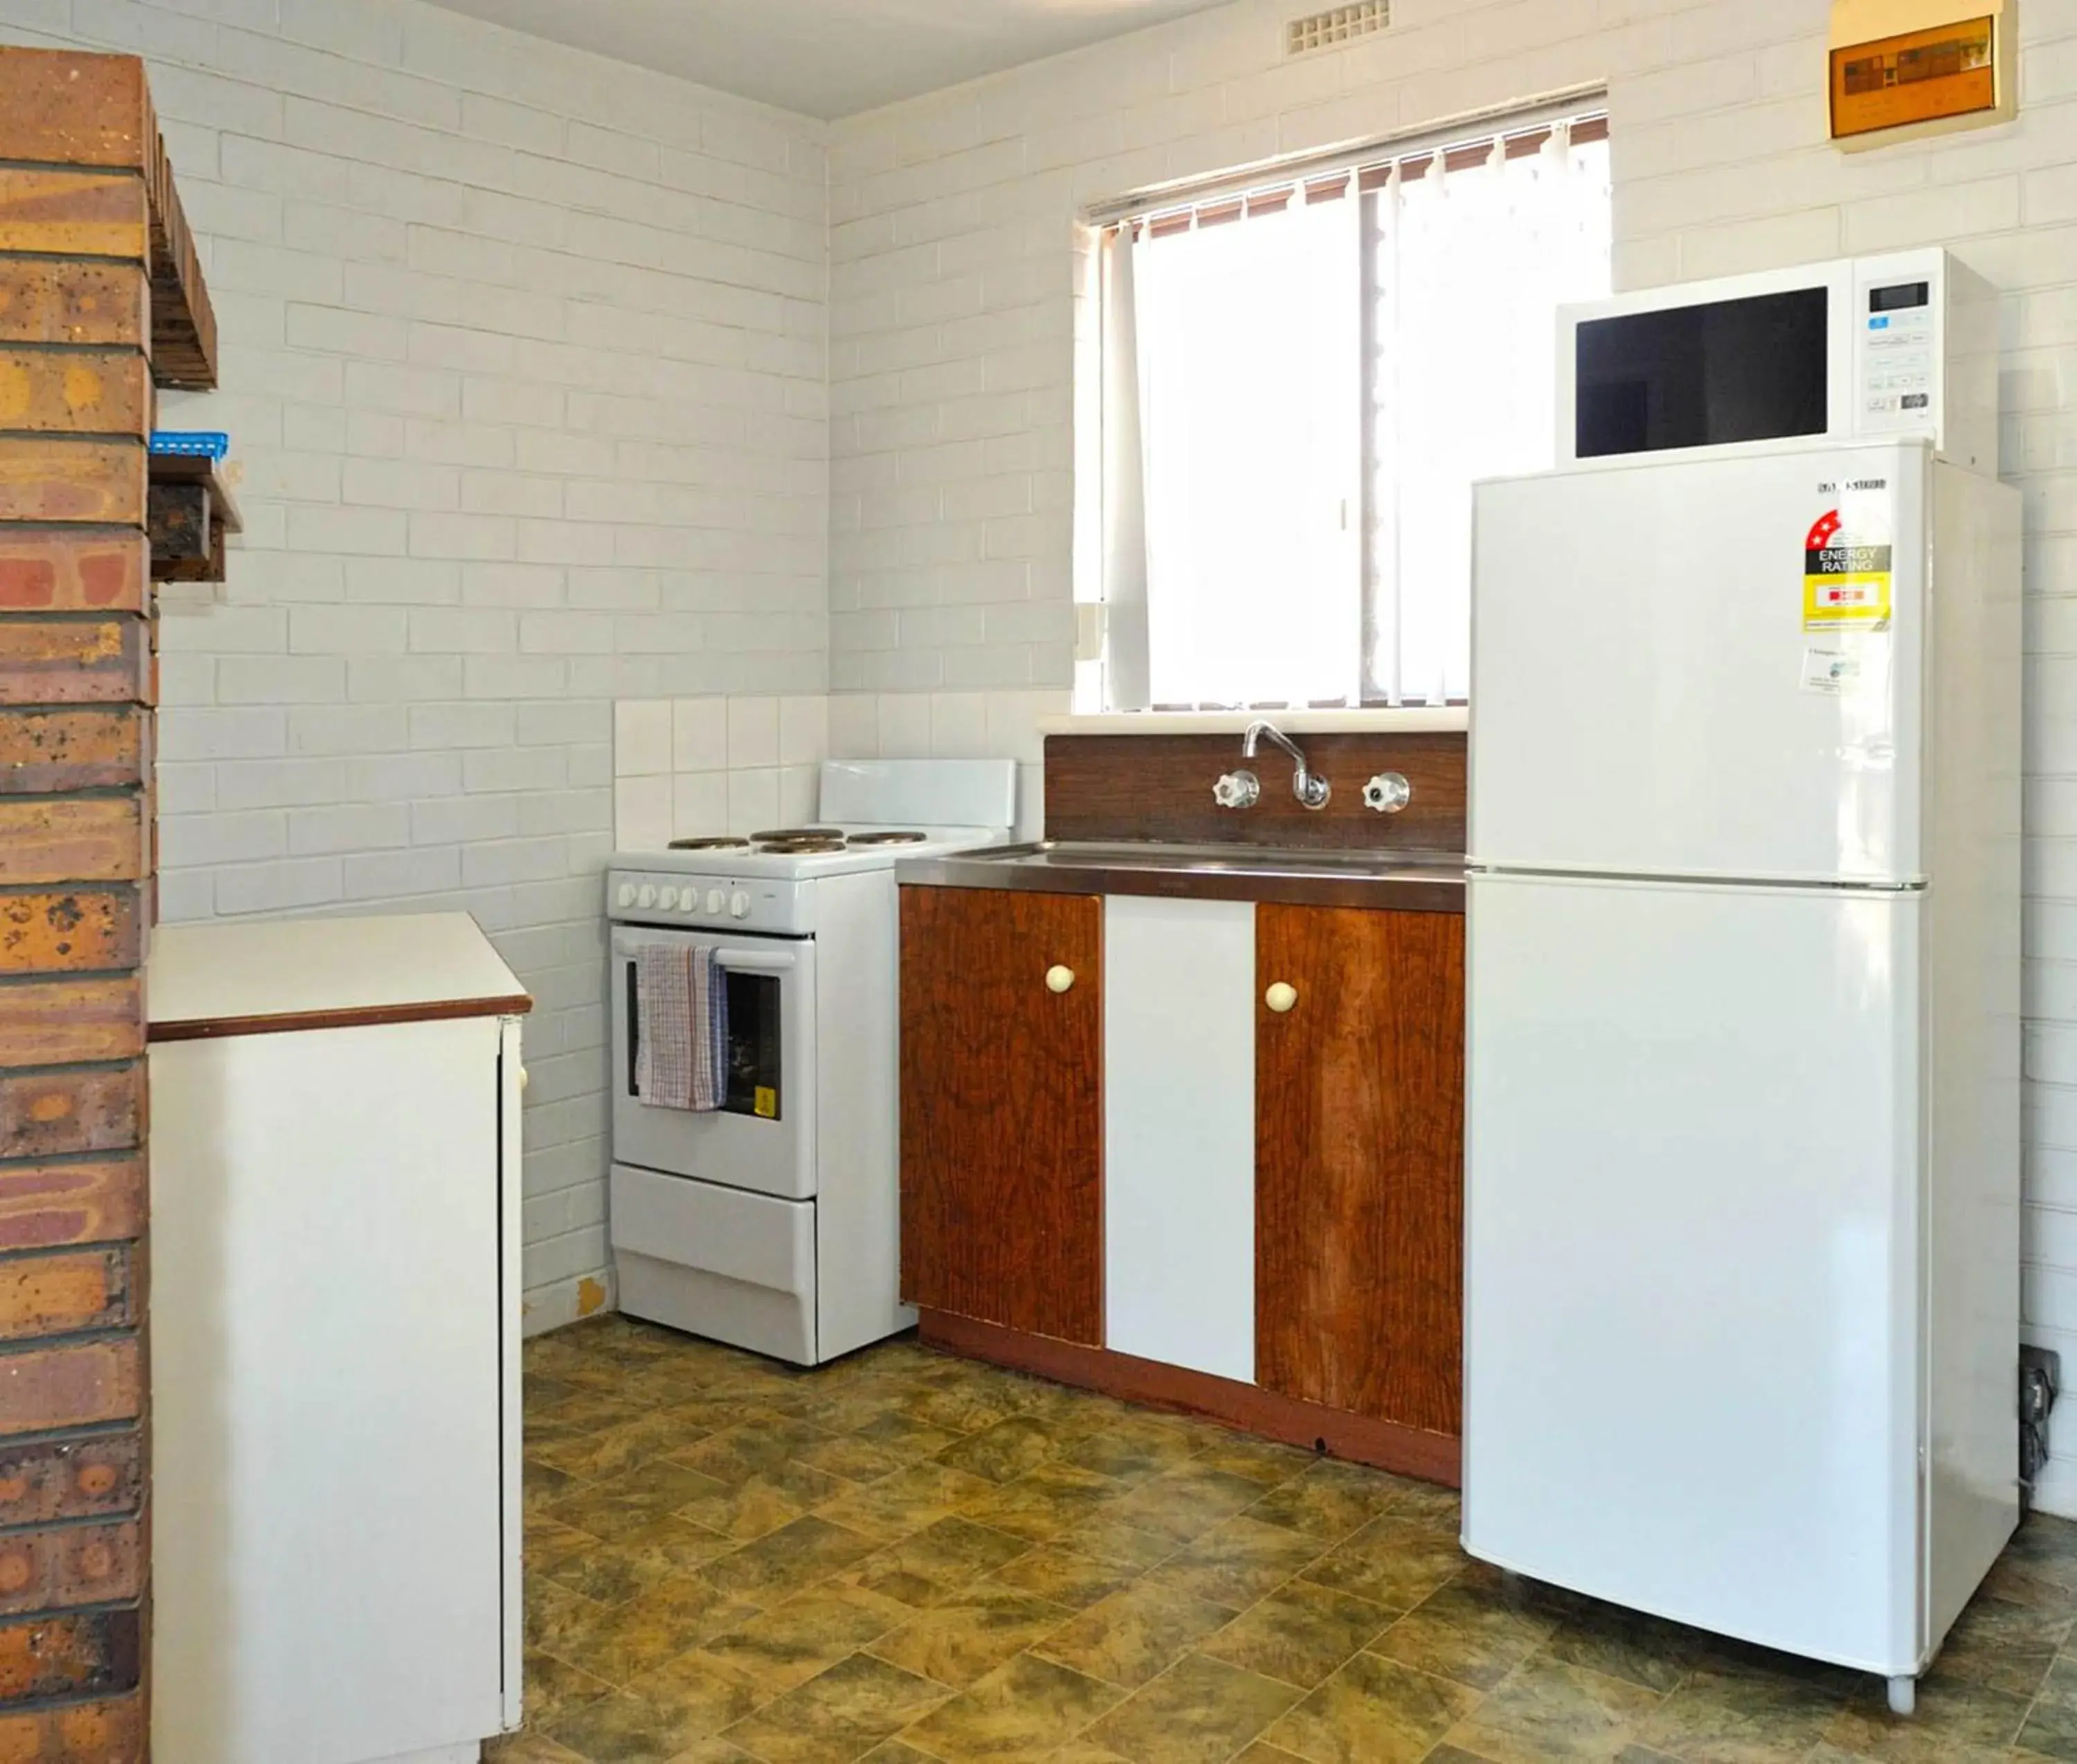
(648, 897)
(716, 900)
(739, 905)
(625, 896)
(688, 902)
(669, 900)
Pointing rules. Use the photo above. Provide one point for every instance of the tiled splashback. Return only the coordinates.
(683, 767)
(687, 766)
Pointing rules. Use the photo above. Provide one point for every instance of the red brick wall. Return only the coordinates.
(77, 150)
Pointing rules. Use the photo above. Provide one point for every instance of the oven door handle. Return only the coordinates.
(757, 961)
(742, 958)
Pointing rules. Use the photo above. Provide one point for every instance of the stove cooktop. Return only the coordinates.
(799, 853)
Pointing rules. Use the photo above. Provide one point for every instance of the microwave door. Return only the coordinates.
(1706, 375)
(1710, 367)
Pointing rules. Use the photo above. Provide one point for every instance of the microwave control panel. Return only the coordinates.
(1898, 354)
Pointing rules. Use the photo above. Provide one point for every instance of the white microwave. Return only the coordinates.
(1861, 348)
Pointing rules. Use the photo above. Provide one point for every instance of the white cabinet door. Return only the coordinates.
(328, 1542)
(1179, 1133)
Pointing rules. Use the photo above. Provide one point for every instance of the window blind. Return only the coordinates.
(1304, 372)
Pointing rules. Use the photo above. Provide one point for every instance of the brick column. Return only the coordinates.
(77, 680)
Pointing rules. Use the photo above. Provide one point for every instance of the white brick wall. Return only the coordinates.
(953, 307)
(524, 359)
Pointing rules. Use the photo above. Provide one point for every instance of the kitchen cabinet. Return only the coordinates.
(1226, 1163)
(1358, 1161)
(335, 1346)
(1002, 998)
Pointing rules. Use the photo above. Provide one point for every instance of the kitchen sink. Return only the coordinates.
(1429, 881)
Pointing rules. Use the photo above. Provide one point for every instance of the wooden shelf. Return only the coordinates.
(192, 513)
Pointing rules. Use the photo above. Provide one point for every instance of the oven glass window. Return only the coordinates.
(757, 1081)
(1697, 376)
(755, 1084)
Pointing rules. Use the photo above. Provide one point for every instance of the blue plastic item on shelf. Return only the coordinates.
(201, 443)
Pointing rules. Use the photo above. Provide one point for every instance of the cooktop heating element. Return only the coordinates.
(888, 838)
(714, 844)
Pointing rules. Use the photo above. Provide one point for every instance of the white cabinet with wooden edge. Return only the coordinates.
(336, 1370)
(1179, 1133)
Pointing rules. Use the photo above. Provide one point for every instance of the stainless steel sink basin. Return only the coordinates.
(1418, 881)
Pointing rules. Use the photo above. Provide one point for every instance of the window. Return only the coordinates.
(1301, 383)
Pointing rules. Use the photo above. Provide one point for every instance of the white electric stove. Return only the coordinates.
(774, 1223)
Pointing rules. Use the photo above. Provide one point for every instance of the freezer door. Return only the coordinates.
(1692, 1260)
(1702, 668)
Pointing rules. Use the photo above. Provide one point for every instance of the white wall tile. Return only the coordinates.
(800, 790)
(753, 732)
(641, 813)
(959, 725)
(854, 727)
(804, 730)
(699, 735)
(904, 725)
(753, 799)
(699, 805)
(642, 737)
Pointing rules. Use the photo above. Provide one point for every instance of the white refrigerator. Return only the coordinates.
(1742, 1163)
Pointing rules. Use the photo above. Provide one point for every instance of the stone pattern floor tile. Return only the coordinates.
(908, 1558)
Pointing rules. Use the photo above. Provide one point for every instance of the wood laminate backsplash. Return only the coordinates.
(1160, 787)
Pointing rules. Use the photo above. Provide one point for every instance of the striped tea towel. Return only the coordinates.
(682, 1060)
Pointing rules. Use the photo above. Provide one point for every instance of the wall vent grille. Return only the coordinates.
(1336, 26)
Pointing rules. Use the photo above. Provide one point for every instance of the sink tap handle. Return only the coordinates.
(1238, 790)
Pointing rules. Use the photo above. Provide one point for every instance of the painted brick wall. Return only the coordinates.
(524, 355)
(954, 310)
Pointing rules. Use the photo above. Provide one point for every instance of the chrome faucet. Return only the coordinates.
(1243, 790)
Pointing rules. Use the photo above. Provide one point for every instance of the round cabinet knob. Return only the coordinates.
(1388, 792)
(625, 896)
(1059, 978)
(716, 900)
(1281, 997)
(669, 900)
(647, 897)
(739, 906)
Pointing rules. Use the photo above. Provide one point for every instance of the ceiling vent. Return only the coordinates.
(1335, 27)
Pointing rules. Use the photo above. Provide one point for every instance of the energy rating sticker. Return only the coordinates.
(1844, 583)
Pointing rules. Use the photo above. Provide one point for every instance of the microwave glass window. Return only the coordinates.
(756, 1079)
(1698, 376)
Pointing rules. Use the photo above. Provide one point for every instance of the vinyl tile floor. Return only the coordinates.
(909, 1558)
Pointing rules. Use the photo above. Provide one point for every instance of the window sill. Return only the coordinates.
(1410, 720)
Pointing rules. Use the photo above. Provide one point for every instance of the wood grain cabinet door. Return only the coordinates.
(1360, 1109)
(1002, 1108)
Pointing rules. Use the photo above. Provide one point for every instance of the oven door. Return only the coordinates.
(763, 1139)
